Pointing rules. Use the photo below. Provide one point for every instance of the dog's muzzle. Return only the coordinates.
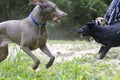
(80, 31)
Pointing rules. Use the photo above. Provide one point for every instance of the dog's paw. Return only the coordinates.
(47, 66)
(36, 65)
(50, 62)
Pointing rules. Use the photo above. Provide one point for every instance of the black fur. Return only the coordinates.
(107, 36)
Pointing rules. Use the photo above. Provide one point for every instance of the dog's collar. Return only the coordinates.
(36, 22)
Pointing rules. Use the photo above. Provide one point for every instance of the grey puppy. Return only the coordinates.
(30, 33)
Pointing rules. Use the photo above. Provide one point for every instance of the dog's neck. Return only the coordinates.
(36, 16)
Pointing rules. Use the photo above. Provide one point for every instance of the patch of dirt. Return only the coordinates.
(66, 52)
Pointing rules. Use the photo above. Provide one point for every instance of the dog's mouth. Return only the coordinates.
(83, 34)
(56, 20)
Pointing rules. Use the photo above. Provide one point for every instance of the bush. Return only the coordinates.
(79, 12)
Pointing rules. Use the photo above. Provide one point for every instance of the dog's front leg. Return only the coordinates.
(103, 51)
(35, 59)
(102, 47)
(47, 52)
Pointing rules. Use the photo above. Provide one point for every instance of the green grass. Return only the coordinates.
(84, 68)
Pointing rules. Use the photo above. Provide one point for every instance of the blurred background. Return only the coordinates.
(79, 12)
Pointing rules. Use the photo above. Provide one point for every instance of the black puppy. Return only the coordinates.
(107, 36)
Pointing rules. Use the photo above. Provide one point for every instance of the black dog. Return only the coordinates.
(107, 36)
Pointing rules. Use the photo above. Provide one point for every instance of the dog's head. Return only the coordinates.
(101, 21)
(87, 29)
(49, 10)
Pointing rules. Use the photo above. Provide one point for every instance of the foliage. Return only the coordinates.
(79, 12)
(108, 2)
(11, 9)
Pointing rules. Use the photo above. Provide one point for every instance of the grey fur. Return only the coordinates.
(28, 35)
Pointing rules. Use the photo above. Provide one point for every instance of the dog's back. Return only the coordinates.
(8, 29)
(108, 35)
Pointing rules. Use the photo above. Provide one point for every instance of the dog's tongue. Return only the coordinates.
(55, 19)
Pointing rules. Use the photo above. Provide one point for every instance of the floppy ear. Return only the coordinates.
(106, 22)
(37, 2)
(91, 24)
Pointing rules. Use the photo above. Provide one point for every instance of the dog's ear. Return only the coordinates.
(37, 2)
(106, 22)
(91, 24)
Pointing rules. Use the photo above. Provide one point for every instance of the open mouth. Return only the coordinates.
(57, 20)
(83, 34)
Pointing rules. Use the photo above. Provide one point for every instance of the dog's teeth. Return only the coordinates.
(55, 18)
(58, 21)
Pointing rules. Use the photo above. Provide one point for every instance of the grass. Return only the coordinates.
(86, 67)
(66, 42)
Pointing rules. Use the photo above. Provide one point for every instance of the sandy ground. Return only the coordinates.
(66, 52)
(62, 52)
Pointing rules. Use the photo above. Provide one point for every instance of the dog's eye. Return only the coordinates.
(102, 20)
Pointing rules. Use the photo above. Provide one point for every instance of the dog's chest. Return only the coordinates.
(39, 39)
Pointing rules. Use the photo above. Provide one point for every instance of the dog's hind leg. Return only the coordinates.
(47, 52)
(103, 51)
(4, 41)
(3, 53)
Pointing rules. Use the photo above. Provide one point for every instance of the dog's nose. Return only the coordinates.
(64, 14)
